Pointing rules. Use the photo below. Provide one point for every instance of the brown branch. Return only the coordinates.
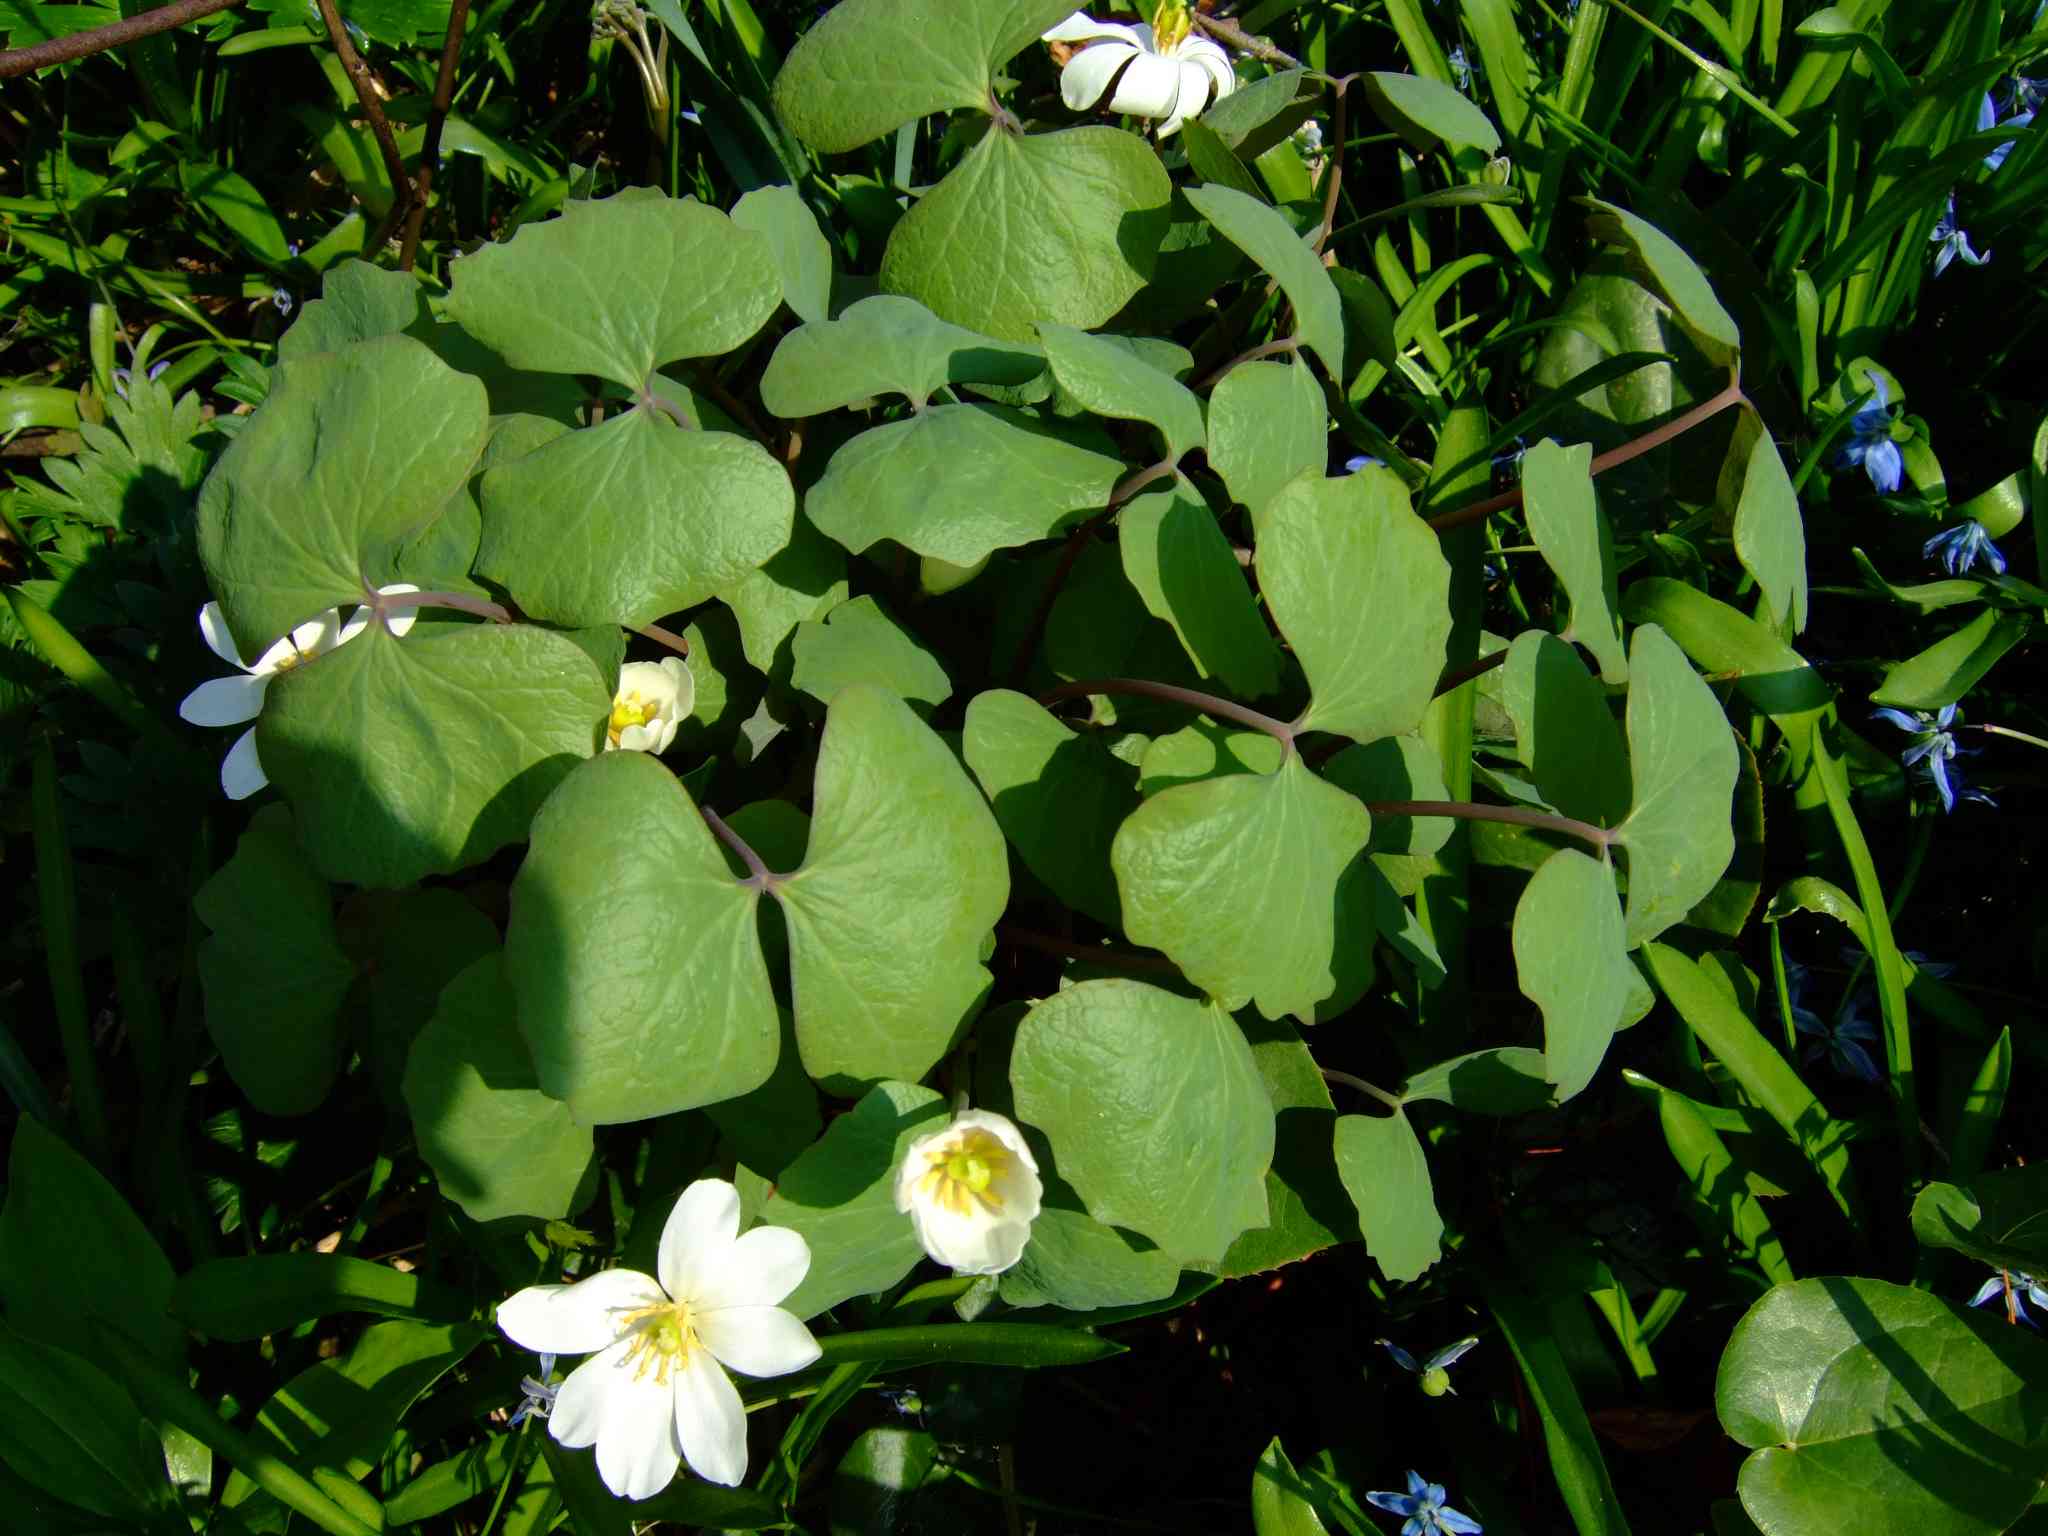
(1226, 31)
(1207, 703)
(1457, 677)
(1066, 949)
(430, 151)
(1600, 838)
(1613, 458)
(1289, 344)
(660, 636)
(380, 126)
(759, 876)
(1336, 171)
(115, 34)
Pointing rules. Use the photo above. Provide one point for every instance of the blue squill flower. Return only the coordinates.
(1845, 1042)
(1961, 547)
(1423, 1510)
(2009, 1285)
(1997, 156)
(1462, 69)
(1869, 445)
(2024, 95)
(1436, 1370)
(1933, 751)
(540, 1397)
(123, 378)
(1951, 240)
(1359, 461)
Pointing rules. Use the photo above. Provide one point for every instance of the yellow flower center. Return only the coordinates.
(664, 1336)
(962, 1172)
(631, 709)
(1171, 24)
(289, 660)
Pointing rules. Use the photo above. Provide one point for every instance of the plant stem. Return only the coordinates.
(430, 148)
(2006, 730)
(115, 34)
(373, 108)
(759, 875)
(1207, 703)
(660, 636)
(1612, 459)
(1457, 677)
(1332, 1075)
(1067, 949)
(1600, 838)
(482, 607)
(1227, 31)
(1336, 172)
(1263, 349)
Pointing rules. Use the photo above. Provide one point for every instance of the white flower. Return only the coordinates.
(653, 699)
(654, 1392)
(232, 700)
(972, 1191)
(1162, 70)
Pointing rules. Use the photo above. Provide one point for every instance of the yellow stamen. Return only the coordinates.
(665, 1335)
(630, 709)
(1171, 24)
(963, 1171)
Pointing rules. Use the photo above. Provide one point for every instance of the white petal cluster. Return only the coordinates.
(654, 1392)
(1174, 74)
(972, 1191)
(654, 698)
(234, 700)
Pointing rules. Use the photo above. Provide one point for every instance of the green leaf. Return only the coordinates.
(240, 1300)
(1954, 664)
(1565, 521)
(770, 1127)
(905, 875)
(884, 345)
(1270, 240)
(1110, 381)
(1575, 1460)
(1253, 105)
(1571, 960)
(357, 301)
(1236, 879)
(1059, 797)
(1661, 264)
(1182, 566)
(53, 1284)
(1428, 112)
(1280, 1502)
(841, 1196)
(802, 254)
(1023, 1345)
(958, 482)
(618, 288)
(1210, 156)
(1059, 226)
(1267, 424)
(72, 1431)
(875, 1485)
(1678, 836)
(1396, 768)
(806, 581)
(1380, 1161)
(858, 642)
(297, 516)
(1154, 1108)
(1727, 1205)
(410, 945)
(872, 65)
(1875, 1407)
(634, 953)
(2000, 1218)
(274, 971)
(1076, 1263)
(1565, 733)
(1330, 550)
(1509, 1080)
(498, 1145)
(1770, 536)
(1772, 676)
(359, 741)
(631, 520)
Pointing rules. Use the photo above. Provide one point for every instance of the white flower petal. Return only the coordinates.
(698, 1237)
(1151, 87)
(710, 1421)
(320, 633)
(1194, 96)
(667, 737)
(637, 1450)
(759, 1270)
(225, 700)
(982, 1239)
(1214, 63)
(576, 1319)
(357, 623)
(651, 680)
(1003, 1129)
(213, 628)
(758, 1341)
(241, 773)
(685, 684)
(636, 738)
(401, 620)
(1081, 28)
(977, 1243)
(576, 1418)
(1089, 72)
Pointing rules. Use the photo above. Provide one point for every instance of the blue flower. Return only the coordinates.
(1933, 750)
(1461, 69)
(2009, 1286)
(1359, 461)
(1845, 1042)
(1508, 465)
(1952, 240)
(1997, 156)
(2024, 98)
(540, 1397)
(1436, 1370)
(2024, 95)
(123, 378)
(1870, 442)
(282, 300)
(1962, 546)
(1422, 1508)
